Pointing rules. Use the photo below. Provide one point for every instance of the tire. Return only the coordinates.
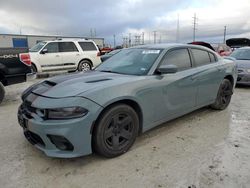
(84, 66)
(2, 92)
(33, 68)
(115, 131)
(223, 96)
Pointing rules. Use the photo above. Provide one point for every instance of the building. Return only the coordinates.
(15, 41)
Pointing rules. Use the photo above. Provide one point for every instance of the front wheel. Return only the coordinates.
(116, 131)
(223, 96)
(84, 66)
(2, 92)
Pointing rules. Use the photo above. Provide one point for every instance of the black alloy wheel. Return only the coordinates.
(116, 131)
(224, 95)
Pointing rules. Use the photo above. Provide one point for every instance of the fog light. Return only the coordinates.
(61, 142)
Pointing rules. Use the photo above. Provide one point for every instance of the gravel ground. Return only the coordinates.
(205, 148)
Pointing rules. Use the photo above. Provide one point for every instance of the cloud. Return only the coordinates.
(76, 18)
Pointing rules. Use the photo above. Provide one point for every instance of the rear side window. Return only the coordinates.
(87, 46)
(201, 57)
(52, 47)
(67, 47)
(178, 57)
(212, 57)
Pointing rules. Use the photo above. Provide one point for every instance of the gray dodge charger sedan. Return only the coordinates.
(135, 90)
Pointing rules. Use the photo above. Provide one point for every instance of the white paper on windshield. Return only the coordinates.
(150, 51)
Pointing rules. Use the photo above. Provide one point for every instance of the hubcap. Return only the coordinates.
(118, 131)
(85, 67)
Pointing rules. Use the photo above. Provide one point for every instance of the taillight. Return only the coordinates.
(98, 54)
(25, 58)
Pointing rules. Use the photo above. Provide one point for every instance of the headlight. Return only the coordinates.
(66, 113)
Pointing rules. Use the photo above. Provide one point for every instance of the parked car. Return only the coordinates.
(110, 54)
(242, 59)
(222, 49)
(14, 67)
(105, 50)
(64, 54)
(238, 42)
(137, 89)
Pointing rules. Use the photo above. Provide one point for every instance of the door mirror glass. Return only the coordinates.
(167, 69)
(44, 51)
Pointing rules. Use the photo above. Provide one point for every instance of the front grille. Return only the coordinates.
(34, 138)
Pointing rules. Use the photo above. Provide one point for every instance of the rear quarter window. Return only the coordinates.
(201, 57)
(87, 46)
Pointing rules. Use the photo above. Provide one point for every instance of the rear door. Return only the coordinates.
(208, 76)
(90, 51)
(51, 60)
(69, 54)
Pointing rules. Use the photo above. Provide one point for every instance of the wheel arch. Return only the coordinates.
(86, 59)
(230, 78)
(132, 103)
(3, 79)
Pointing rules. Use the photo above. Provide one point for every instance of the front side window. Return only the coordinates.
(201, 57)
(178, 57)
(87, 46)
(134, 61)
(52, 47)
(67, 47)
(212, 57)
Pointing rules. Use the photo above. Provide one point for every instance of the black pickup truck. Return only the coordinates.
(14, 67)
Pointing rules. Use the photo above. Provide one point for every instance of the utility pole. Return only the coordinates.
(225, 33)
(154, 37)
(142, 37)
(129, 39)
(178, 30)
(194, 26)
(95, 32)
(91, 33)
(114, 41)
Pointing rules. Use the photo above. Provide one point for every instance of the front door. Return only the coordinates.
(179, 89)
(51, 60)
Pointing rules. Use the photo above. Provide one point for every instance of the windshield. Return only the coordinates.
(37, 47)
(241, 54)
(130, 61)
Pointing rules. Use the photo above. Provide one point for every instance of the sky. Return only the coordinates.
(157, 19)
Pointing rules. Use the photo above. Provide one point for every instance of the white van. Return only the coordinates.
(64, 54)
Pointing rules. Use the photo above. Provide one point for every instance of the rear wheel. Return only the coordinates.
(33, 68)
(2, 92)
(116, 131)
(84, 66)
(224, 95)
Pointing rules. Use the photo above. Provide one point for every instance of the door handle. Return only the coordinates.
(77, 54)
(57, 56)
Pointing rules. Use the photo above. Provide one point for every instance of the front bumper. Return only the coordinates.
(243, 78)
(51, 136)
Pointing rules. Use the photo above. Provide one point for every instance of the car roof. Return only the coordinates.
(172, 45)
(69, 40)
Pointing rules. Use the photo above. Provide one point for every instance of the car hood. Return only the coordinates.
(243, 63)
(79, 83)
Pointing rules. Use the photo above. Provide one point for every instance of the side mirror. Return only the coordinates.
(167, 69)
(44, 51)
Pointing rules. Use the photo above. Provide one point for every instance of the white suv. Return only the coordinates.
(64, 54)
